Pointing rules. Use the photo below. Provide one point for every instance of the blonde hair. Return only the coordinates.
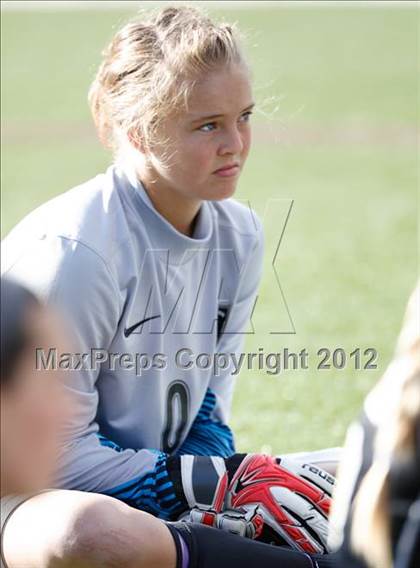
(149, 68)
(395, 441)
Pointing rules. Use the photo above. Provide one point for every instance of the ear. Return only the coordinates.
(136, 139)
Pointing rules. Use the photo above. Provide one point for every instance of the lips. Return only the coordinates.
(228, 170)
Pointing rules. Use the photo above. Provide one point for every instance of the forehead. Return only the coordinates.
(221, 91)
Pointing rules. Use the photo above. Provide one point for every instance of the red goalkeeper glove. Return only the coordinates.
(273, 499)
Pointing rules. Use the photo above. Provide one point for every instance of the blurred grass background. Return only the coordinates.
(336, 133)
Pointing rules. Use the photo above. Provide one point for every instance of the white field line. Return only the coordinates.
(101, 5)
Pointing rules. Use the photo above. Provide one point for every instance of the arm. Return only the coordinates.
(78, 283)
(208, 436)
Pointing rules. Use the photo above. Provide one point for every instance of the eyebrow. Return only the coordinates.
(213, 116)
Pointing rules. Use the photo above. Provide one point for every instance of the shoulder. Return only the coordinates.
(90, 214)
(81, 235)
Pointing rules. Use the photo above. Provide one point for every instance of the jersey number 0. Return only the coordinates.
(177, 406)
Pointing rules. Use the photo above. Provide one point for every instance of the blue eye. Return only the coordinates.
(246, 116)
(209, 127)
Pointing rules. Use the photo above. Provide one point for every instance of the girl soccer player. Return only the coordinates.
(152, 263)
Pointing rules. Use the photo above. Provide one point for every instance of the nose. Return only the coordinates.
(232, 142)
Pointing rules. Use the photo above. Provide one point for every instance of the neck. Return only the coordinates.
(178, 210)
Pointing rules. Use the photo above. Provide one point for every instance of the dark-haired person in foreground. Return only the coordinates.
(33, 403)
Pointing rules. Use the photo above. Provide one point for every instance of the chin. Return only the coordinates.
(222, 190)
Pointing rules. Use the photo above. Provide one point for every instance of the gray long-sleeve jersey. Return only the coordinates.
(143, 301)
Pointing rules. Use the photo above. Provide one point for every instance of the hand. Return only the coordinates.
(294, 500)
(291, 498)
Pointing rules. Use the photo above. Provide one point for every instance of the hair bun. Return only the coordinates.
(165, 18)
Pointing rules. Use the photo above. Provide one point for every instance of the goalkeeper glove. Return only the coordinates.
(272, 499)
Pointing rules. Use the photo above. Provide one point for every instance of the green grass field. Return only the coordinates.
(336, 133)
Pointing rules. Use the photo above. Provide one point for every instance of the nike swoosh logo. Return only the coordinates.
(129, 330)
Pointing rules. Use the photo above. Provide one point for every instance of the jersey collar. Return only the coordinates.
(175, 247)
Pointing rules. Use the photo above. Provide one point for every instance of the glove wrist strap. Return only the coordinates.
(204, 481)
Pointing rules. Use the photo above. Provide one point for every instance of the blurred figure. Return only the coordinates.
(33, 403)
(376, 511)
(34, 411)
